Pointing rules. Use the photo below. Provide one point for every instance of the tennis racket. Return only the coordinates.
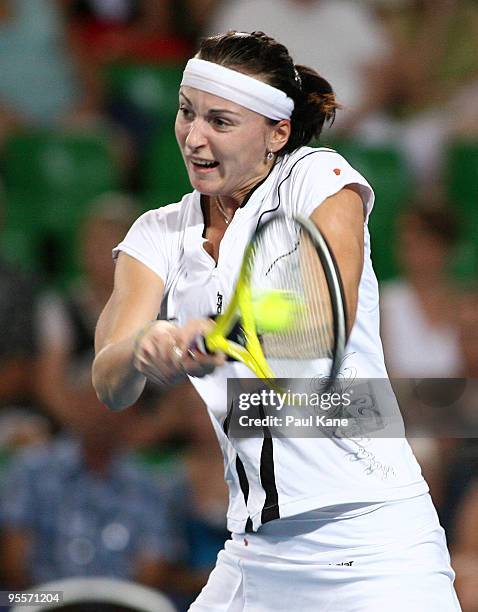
(288, 305)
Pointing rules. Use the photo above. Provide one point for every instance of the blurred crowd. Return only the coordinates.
(88, 94)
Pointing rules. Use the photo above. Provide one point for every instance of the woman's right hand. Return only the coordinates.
(164, 355)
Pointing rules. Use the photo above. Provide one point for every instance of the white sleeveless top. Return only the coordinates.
(279, 477)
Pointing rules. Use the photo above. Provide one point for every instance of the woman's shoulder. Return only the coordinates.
(323, 161)
(170, 216)
(310, 175)
(155, 236)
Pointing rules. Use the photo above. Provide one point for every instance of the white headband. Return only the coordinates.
(238, 87)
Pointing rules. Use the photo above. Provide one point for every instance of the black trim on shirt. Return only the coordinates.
(227, 420)
(240, 469)
(244, 483)
(270, 510)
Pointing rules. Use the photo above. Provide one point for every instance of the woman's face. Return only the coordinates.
(224, 145)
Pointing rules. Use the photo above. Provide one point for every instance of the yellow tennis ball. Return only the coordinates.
(274, 311)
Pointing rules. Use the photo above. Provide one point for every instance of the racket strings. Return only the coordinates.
(286, 261)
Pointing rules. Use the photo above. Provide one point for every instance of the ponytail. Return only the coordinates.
(315, 105)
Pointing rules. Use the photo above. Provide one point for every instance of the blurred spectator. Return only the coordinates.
(105, 11)
(465, 466)
(17, 345)
(436, 49)
(406, 72)
(427, 91)
(19, 428)
(17, 337)
(21, 425)
(84, 508)
(201, 12)
(465, 104)
(66, 324)
(419, 328)
(468, 326)
(134, 30)
(48, 82)
(126, 43)
(44, 83)
(341, 39)
(65, 330)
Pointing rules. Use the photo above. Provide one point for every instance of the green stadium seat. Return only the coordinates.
(151, 88)
(386, 171)
(165, 177)
(39, 242)
(49, 180)
(462, 178)
(464, 265)
(21, 229)
(59, 164)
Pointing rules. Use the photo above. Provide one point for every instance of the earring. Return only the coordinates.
(269, 156)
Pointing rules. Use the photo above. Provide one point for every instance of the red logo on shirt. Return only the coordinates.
(337, 171)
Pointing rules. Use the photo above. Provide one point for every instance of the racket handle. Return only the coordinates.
(199, 346)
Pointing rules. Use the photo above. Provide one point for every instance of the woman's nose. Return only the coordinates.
(196, 136)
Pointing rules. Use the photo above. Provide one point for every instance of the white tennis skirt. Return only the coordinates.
(389, 557)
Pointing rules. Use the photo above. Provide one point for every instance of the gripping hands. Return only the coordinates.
(163, 353)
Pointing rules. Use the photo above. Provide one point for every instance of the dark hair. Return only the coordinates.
(256, 53)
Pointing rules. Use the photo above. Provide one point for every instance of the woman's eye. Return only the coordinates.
(220, 122)
(185, 111)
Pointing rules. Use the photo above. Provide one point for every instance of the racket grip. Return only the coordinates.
(199, 346)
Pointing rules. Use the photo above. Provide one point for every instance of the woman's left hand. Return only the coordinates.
(165, 353)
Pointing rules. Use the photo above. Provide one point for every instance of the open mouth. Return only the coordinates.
(203, 163)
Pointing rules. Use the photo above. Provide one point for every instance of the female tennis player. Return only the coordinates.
(316, 525)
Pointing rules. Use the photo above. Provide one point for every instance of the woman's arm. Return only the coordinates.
(131, 345)
(136, 300)
(341, 219)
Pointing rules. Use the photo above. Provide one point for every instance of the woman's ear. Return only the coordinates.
(280, 135)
